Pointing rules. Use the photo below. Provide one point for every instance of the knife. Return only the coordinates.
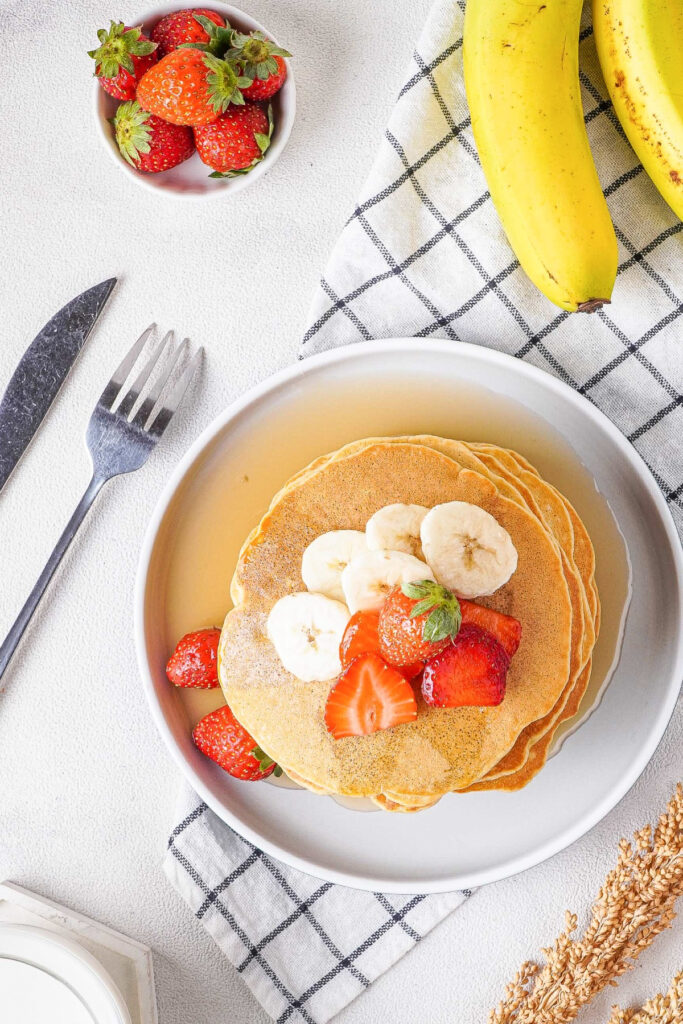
(42, 370)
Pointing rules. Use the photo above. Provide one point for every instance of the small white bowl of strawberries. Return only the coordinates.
(193, 101)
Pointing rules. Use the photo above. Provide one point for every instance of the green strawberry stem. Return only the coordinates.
(131, 130)
(117, 48)
(445, 617)
(220, 37)
(263, 143)
(224, 83)
(256, 55)
(265, 761)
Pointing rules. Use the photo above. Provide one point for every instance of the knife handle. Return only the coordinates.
(15, 634)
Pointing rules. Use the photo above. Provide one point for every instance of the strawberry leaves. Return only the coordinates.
(256, 55)
(117, 48)
(266, 762)
(220, 37)
(444, 618)
(224, 83)
(132, 132)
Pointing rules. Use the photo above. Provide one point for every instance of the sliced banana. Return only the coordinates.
(396, 528)
(370, 576)
(467, 549)
(306, 630)
(325, 559)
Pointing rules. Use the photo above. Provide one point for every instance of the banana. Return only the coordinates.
(306, 630)
(640, 46)
(522, 83)
(370, 576)
(396, 528)
(326, 557)
(467, 549)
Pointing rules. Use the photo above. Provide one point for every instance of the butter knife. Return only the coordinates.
(42, 370)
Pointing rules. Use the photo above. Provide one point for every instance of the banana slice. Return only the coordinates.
(370, 576)
(467, 549)
(325, 559)
(306, 630)
(396, 528)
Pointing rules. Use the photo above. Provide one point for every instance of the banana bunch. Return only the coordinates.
(521, 63)
(640, 46)
(522, 82)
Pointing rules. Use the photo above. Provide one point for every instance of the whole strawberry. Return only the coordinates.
(193, 662)
(122, 58)
(195, 27)
(221, 737)
(190, 87)
(236, 141)
(416, 621)
(261, 62)
(148, 143)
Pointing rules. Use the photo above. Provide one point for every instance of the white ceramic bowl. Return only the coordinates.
(456, 390)
(191, 178)
(47, 957)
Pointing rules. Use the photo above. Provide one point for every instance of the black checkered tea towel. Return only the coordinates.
(304, 947)
(423, 255)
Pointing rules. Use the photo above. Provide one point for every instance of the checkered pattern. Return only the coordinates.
(423, 255)
(304, 947)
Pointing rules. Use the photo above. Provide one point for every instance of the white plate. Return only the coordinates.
(456, 390)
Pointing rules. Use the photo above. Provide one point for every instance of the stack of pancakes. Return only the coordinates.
(552, 593)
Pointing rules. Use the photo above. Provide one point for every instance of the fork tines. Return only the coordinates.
(153, 397)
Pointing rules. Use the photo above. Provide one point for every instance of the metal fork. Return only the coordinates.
(123, 429)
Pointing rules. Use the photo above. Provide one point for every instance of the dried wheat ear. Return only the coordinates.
(635, 904)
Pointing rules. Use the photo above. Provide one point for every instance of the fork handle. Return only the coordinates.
(15, 634)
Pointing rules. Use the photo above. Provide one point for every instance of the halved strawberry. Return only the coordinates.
(470, 671)
(361, 636)
(506, 629)
(367, 697)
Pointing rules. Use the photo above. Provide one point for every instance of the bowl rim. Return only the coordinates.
(349, 353)
(231, 185)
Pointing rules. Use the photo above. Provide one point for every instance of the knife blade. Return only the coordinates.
(43, 369)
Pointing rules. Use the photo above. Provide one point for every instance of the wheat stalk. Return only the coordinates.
(666, 1009)
(635, 904)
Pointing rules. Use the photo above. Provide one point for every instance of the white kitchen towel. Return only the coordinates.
(424, 255)
(304, 947)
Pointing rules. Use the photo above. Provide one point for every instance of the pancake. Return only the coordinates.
(445, 749)
(552, 510)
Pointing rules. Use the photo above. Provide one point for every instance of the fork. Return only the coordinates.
(124, 428)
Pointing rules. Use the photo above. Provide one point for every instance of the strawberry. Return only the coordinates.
(122, 58)
(147, 142)
(188, 86)
(368, 696)
(221, 737)
(236, 141)
(193, 662)
(470, 671)
(506, 629)
(417, 620)
(262, 63)
(361, 636)
(196, 27)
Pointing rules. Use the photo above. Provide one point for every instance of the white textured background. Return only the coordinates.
(86, 788)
